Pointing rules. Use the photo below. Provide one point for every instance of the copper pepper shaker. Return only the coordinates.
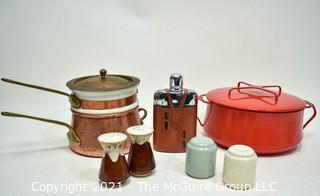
(114, 168)
(141, 159)
(174, 116)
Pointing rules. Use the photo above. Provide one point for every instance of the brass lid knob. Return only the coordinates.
(103, 73)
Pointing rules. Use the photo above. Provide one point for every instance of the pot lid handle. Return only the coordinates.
(268, 86)
(103, 74)
(276, 95)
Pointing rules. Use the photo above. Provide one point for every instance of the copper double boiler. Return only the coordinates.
(99, 104)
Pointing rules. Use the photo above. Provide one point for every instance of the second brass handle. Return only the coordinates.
(72, 136)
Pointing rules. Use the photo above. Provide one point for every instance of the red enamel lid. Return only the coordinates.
(256, 98)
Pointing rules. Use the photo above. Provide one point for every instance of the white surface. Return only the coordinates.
(107, 112)
(112, 137)
(140, 134)
(212, 43)
(239, 167)
(140, 130)
(241, 151)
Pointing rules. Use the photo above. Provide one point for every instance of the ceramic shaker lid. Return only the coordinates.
(241, 151)
(112, 137)
(113, 143)
(139, 134)
(202, 142)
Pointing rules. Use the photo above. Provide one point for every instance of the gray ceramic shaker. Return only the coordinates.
(201, 157)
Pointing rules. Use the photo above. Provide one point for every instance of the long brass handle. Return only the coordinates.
(72, 99)
(72, 136)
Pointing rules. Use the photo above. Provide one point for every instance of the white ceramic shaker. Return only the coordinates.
(239, 167)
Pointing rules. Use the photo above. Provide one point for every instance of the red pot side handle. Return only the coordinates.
(200, 97)
(310, 105)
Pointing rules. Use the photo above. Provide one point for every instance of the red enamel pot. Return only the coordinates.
(262, 117)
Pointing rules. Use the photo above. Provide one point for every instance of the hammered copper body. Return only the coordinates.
(102, 105)
(89, 127)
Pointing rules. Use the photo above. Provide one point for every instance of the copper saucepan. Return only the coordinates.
(99, 104)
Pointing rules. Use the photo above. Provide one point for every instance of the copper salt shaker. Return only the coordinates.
(114, 168)
(141, 160)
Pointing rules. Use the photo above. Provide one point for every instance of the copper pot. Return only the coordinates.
(99, 104)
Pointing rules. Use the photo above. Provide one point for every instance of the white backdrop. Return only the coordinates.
(212, 43)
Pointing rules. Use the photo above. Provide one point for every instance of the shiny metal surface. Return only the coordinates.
(160, 98)
(176, 92)
(176, 82)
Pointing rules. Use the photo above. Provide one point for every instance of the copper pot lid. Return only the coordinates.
(256, 98)
(103, 82)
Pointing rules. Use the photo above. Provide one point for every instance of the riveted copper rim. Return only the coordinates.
(101, 105)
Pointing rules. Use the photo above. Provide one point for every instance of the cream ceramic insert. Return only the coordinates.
(113, 143)
(106, 111)
(140, 134)
(105, 95)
